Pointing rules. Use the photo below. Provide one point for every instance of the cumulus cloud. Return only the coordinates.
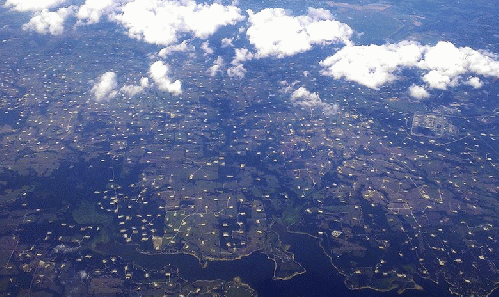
(475, 82)
(159, 74)
(450, 60)
(205, 46)
(418, 92)
(161, 22)
(447, 63)
(304, 98)
(442, 64)
(26, 5)
(274, 32)
(227, 42)
(372, 65)
(438, 80)
(237, 71)
(105, 88)
(181, 47)
(92, 10)
(51, 22)
(132, 90)
(219, 62)
(241, 55)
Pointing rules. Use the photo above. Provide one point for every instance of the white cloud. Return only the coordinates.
(26, 5)
(274, 32)
(237, 71)
(445, 58)
(319, 14)
(161, 22)
(475, 82)
(241, 55)
(105, 88)
(132, 90)
(227, 42)
(92, 10)
(287, 86)
(205, 46)
(437, 80)
(52, 22)
(159, 74)
(452, 61)
(418, 92)
(443, 64)
(304, 98)
(219, 62)
(371, 65)
(182, 47)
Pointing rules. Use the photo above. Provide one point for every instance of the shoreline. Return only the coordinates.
(204, 263)
(418, 287)
(344, 275)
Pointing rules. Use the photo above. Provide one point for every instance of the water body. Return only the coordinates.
(321, 279)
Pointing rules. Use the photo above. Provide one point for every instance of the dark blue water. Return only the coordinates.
(321, 279)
